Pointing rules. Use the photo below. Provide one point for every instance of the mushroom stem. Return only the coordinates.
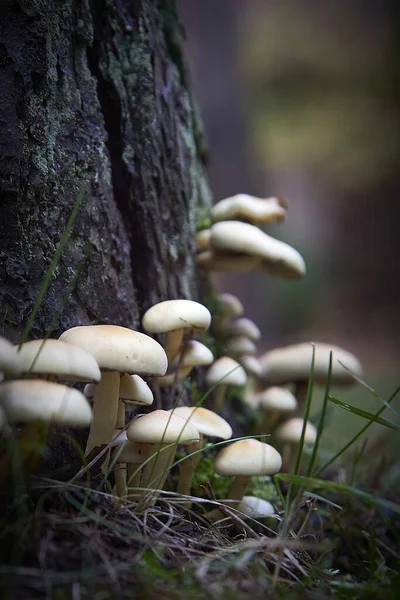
(173, 343)
(288, 457)
(156, 470)
(188, 466)
(219, 395)
(120, 475)
(105, 412)
(238, 488)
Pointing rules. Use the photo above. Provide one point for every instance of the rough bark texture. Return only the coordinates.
(94, 93)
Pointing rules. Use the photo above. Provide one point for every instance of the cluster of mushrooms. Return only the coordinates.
(120, 366)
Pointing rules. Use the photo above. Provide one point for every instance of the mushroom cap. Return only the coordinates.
(248, 457)
(226, 262)
(60, 358)
(290, 431)
(229, 305)
(243, 327)
(134, 390)
(203, 239)
(256, 508)
(226, 371)
(10, 361)
(249, 208)
(251, 365)
(37, 400)
(206, 421)
(195, 354)
(162, 427)
(293, 363)
(120, 349)
(276, 398)
(171, 315)
(240, 345)
(276, 256)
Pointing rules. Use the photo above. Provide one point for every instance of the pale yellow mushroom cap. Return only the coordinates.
(10, 361)
(251, 365)
(250, 208)
(120, 349)
(240, 346)
(206, 421)
(290, 432)
(276, 398)
(293, 364)
(230, 305)
(37, 400)
(162, 427)
(226, 371)
(134, 390)
(59, 358)
(248, 457)
(276, 256)
(171, 315)
(195, 354)
(256, 508)
(243, 327)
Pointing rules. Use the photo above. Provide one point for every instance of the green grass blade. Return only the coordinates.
(53, 264)
(312, 483)
(356, 437)
(365, 414)
(321, 423)
(306, 411)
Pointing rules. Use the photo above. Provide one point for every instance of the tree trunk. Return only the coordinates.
(95, 94)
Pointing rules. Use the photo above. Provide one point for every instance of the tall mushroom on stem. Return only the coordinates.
(207, 423)
(177, 319)
(35, 404)
(224, 372)
(164, 431)
(288, 434)
(273, 402)
(118, 350)
(244, 459)
(292, 364)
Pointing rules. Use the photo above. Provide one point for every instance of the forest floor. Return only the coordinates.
(68, 540)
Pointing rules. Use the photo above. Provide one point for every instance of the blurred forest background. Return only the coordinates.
(302, 99)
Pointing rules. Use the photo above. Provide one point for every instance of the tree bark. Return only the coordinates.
(94, 93)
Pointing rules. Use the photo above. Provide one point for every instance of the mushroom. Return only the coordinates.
(243, 327)
(164, 431)
(34, 403)
(176, 318)
(207, 423)
(289, 435)
(293, 364)
(229, 305)
(244, 459)
(239, 346)
(203, 239)
(225, 371)
(273, 402)
(127, 463)
(251, 365)
(59, 359)
(250, 209)
(10, 362)
(195, 354)
(274, 256)
(255, 508)
(118, 350)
